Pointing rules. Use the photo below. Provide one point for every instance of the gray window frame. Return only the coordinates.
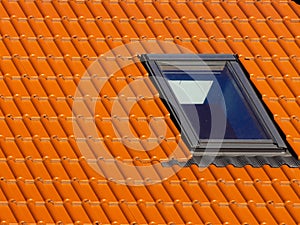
(275, 145)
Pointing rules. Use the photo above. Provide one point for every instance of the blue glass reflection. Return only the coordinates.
(241, 121)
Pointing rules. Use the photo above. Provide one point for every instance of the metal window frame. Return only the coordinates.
(274, 145)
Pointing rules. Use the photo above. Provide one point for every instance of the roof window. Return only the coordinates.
(213, 104)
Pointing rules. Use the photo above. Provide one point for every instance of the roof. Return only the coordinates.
(46, 47)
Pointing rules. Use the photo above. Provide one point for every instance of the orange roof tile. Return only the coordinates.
(53, 55)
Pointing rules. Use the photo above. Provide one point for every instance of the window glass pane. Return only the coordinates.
(205, 88)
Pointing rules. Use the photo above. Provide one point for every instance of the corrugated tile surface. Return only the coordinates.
(47, 46)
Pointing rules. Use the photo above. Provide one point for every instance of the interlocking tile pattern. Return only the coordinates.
(45, 49)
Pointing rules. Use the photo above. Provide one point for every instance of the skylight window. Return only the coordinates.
(213, 103)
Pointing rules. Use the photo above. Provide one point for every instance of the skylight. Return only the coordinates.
(213, 103)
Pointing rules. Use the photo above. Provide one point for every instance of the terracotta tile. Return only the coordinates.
(295, 63)
(216, 10)
(47, 190)
(285, 191)
(203, 174)
(15, 47)
(84, 190)
(150, 213)
(176, 29)
(220, 46)
(6, 171)
(280, 29)
(103, 191)
(43, 106)
(224, 213)
(8, 69)
(220, 173)
(37, 168)
(284, 10)
(273, 48)
(233, 10)
(267, 192)
(199, 10)
(293, 211)
(76, 212)
(21, 211)
(63, 148)
(281, 215)
(177, 192)
(261, 213)
(187, 213)
(7, 29)
(29, 190)
(295, 7)
(267, 94)
(80, 9)
(285, 67)
(39, 212)
(280, 88)
(249, 192)
(17, 126)
(158, 28)
(210, 28)
(107, 28)
(97, 9)
(35, 127)
(250, 10)
(212, 191)
(58, 211)
(13, 8)
(292, 27)
(11, 191)
(7, 214)
(207, 214)
(169, 213)
(30, 9)
(10, 149)
(231, 192)
(267, 10)
(56, 28)
(73, 168)
(95, 212)
(113, 212)
(15, 86)
(22, 28)
(290, 106)
(194, 192)
(228, 29)
(4, 89)
(39, 27)
(148, 10)
(8, 107)
(182, 10)
(67, 48)
(83, 47)
(52, 127)
(132, 213)
(51, 50)
(61, 107)
(3, 11)
(55, 168)
(90, 28)
(142, 30)
(19, 168)
(90, 149)
(243, 213)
